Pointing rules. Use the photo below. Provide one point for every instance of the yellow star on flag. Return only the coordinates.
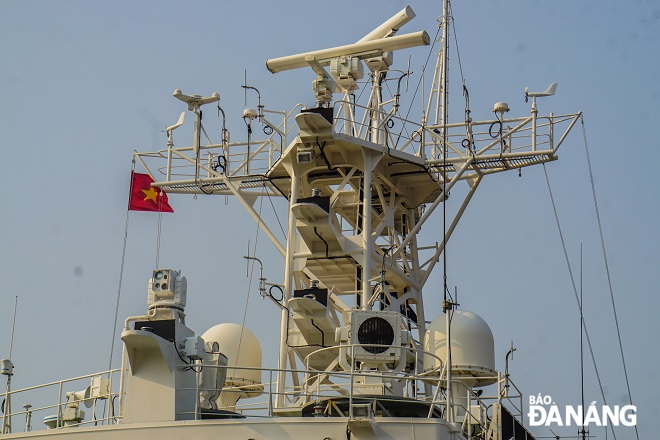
(150, 194)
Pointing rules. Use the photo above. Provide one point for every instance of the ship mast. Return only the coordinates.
(359, 193)
(439, 88)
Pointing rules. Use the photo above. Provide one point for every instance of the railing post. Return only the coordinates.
(109, 399)
(270, 393)
(552, 132)
(197, 378)
(59, 407)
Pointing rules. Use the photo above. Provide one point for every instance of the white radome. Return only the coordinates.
(242, 349)
(472, 346)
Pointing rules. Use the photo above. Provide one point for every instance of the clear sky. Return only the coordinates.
(83, 84)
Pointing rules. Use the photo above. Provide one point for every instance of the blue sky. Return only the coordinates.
(84, 84)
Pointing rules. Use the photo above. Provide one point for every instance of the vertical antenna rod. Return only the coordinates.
(7, 369)
(446, 304)
(582, 432)
(13, 326)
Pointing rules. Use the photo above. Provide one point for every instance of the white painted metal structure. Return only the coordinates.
(352, 335)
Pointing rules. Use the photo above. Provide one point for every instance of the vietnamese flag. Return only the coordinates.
(144, 197)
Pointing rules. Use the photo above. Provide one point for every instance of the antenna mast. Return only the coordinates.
(444, 60)
(440, 75)
(7, 369)
(440, 89)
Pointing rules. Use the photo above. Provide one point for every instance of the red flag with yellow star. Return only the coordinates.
(145, 197)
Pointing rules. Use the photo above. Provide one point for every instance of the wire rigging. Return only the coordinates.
(276, 216)
(581, 431)
(607, 266)
(419, 83)
(121, 278)
(577, 299)
(247, 296)
(458, 52)
(121, 274)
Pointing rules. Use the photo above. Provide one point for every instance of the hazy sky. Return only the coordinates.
(83, 84)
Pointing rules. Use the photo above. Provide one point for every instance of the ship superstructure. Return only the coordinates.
(357, 355)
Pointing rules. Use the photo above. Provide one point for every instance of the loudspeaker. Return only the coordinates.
(84, 396)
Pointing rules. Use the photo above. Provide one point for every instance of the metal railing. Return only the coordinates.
(325, 386)
(488, 146)
(33, 401)
(230, 159)
(525, 136)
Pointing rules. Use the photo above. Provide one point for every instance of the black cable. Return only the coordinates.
(498, 132)
(281, 294)
(201, 188)
(189, 364)
(249, 139)
(320, 331)
(323, 156)
(288, 318)
(220, 164)
(112, 407)
(327, 248)
(268, 130)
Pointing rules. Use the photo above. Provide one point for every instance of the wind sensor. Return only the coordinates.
(194, 103)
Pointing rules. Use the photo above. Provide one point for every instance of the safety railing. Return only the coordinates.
(338, 393)
(73, 397)
(336, 384)
(488, 145)
(214, 161)
(485, 140)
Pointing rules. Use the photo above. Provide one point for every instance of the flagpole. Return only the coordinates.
(121, 267)
(160, 221)
(130, 187)
(121, 277)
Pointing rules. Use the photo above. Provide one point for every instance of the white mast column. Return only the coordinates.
(288, 292)
(447, 306)
(367, 242)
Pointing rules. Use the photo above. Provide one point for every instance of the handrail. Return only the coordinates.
(108, 416)
(238, 161)
(341, 383)
(427, 136)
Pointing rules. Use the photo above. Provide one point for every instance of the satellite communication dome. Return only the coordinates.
(472, 347)
(242, 349)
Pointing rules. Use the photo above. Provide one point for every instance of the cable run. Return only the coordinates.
(607, 266)
(577, 298)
